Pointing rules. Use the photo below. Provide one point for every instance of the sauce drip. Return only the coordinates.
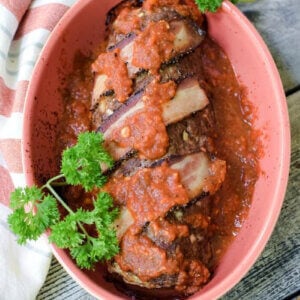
(150, 193)
(153, 46)
(141, 255)
(145, 131)
(116, 71)
(127, 21)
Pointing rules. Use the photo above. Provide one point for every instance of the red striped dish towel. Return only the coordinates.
(25, 26)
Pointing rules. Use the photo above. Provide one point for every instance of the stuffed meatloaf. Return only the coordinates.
(153, 85)
(159, 91)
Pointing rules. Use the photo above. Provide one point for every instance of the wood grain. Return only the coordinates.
(278, 22)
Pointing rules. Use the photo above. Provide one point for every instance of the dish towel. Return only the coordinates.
(24, 28)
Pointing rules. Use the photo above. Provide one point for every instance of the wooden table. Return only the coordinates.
(276, 275)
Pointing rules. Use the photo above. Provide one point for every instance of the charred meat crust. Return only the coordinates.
(113, 12)
(140, 293)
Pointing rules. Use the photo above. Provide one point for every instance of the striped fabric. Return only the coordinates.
(25, 26)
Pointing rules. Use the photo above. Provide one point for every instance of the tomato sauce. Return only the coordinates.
(149, 195)
(159, 187)
(237, 142)
(166, 231)
(127, 21)
(158, 93)
(153, 46)
(115, 69)
(145, 131)
(141, 254)
(151, 4)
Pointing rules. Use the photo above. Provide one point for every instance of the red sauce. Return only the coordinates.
(158, 93)
(195, 274)
(141, 255)
(145, 131)
(237, 143)
(150, 193)
(197, 220)
(115, 69)
(77, 116)
(166, 232)
(153, 46)
(147, 260)
(130, 19)
(127, 21)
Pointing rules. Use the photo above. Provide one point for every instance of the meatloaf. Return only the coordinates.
(159, 126)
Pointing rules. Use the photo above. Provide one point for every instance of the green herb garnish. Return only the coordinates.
(34, 210)
(213, 5)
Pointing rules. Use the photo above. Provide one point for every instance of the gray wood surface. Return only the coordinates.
(276, 275)
(278, 22)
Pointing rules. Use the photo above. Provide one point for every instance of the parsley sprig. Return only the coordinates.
(213, 5)
(82, 163)
(35, 209)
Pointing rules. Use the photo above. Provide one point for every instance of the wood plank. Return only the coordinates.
(278, 22)
(59, 285)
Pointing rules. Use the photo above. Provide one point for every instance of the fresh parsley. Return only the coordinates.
(36, 209)
(81, 164)
(27, 224)
(213, 5)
